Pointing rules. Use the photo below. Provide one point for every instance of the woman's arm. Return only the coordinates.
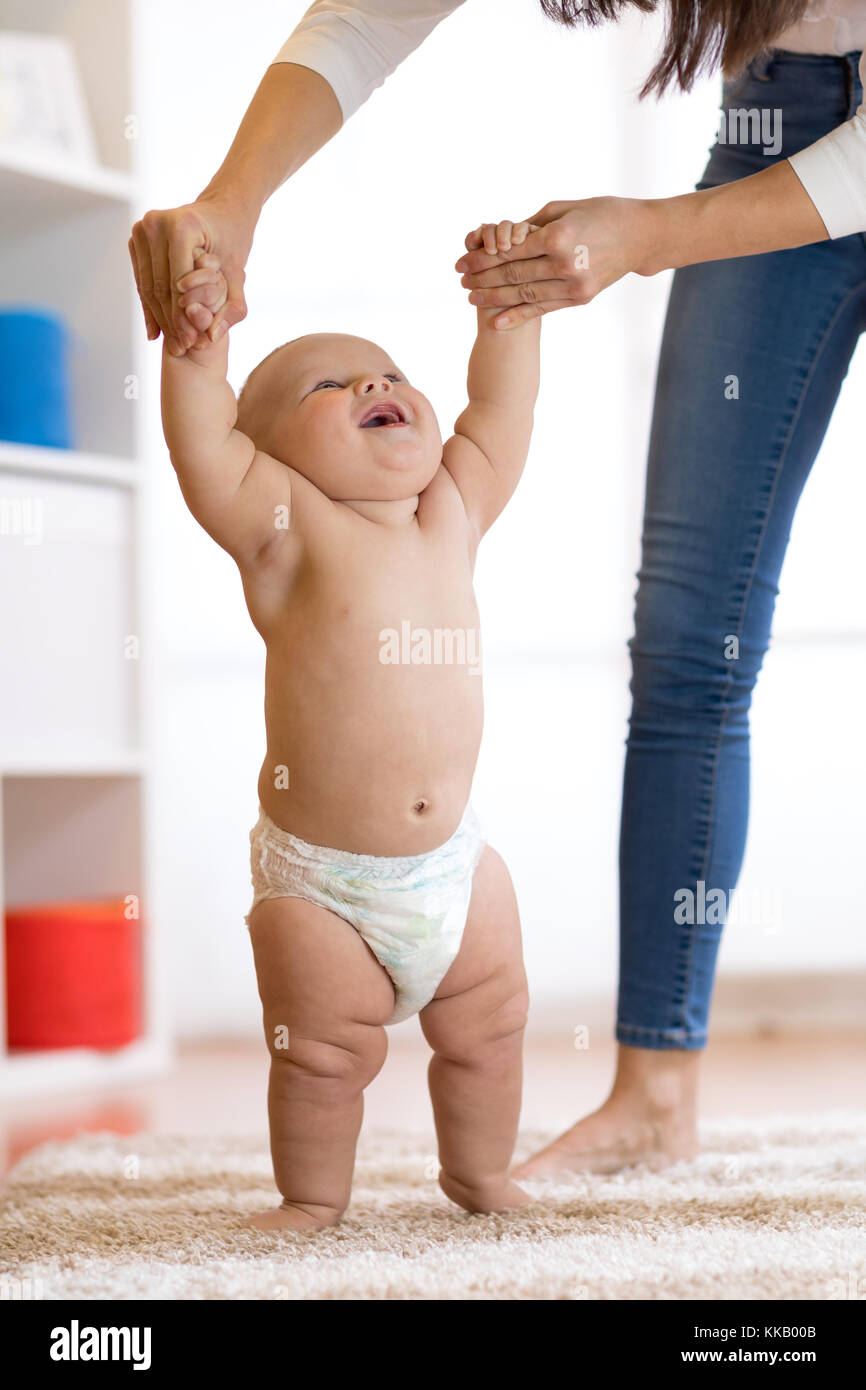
(328, 67)
(816, 193)
(293, 113)
(585, 246)
(768, 211)
(330, 64)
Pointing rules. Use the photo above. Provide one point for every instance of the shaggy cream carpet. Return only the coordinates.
(771, 1209)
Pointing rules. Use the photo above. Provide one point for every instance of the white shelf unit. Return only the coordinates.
(75, 777)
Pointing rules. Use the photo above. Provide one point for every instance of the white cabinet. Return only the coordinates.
(74, 644)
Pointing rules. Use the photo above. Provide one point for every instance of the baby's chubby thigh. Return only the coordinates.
(483, 998)
(325, 997)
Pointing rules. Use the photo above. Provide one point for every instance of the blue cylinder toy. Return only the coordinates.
(34, 377)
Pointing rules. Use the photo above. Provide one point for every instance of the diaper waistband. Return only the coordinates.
(468, 834)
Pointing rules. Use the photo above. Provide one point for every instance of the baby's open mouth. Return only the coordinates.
(381, 415)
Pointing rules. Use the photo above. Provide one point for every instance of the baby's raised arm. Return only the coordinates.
(240, 495)
(486, 454)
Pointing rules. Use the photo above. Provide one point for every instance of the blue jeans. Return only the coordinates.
(753, 355)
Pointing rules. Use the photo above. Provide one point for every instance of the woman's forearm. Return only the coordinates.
(293, 114)
(768, 211)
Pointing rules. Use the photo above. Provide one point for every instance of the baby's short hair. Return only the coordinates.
(247, 414)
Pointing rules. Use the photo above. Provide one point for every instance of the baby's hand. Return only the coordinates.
(494, 237)
(203, 292)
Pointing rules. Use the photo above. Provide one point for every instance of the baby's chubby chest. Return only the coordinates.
(398, 594)
(405, 604)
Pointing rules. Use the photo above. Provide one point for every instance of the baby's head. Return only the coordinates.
(336, 409)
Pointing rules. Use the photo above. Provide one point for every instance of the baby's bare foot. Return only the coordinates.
(492, 1194)
(294, 1217)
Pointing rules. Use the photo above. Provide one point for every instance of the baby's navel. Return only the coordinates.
(420, 805)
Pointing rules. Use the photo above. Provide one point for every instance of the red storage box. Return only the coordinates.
(73, 975)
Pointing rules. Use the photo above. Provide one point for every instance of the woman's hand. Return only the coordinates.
(163, 248)
(575, 250)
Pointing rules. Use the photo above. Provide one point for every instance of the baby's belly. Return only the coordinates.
(375, 761)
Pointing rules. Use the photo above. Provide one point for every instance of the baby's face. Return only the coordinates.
(338, 410)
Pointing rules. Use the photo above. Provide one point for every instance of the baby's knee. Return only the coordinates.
(511, 1017)
(506, 1025)
(494, 1032)
(342, 1065)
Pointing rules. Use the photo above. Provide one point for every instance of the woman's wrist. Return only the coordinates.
(241, 199)
(664, 226)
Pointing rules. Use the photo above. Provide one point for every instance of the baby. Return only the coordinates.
(375, 897)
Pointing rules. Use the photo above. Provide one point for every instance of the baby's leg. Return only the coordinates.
(324, 1000)
(475, 1026)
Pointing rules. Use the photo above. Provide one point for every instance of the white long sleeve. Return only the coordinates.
(833, 172)
(355, 47)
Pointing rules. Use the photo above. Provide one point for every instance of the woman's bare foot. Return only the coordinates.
(499, 1194)
(294, 1217)
(649, 1117)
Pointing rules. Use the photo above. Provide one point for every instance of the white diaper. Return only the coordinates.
(411, 909)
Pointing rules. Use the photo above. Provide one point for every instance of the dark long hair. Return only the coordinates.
(699, 34)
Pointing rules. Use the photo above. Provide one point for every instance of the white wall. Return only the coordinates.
(497, 114)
